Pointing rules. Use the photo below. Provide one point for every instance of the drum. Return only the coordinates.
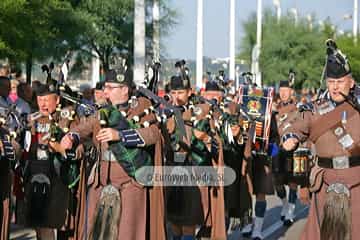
(300, 164)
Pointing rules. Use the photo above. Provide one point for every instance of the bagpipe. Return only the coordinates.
(353, 98)
(12, 120)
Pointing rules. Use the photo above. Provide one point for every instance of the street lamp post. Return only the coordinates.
(156, 35)
(257, 48)
(232, 41)
(199, 45)
(355, 21)
(139, 42)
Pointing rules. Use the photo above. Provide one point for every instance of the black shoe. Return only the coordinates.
(288, 222)
(282, 218)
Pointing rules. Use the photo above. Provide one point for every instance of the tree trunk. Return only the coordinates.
(29, 63)
(106, 63)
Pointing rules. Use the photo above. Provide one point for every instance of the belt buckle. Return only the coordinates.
(341, 162)
(42, 154)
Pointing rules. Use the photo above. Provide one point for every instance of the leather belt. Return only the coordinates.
(341, 162)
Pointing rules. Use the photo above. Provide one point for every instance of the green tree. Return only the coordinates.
(284, 47)
(37, 29)
(110, 29)
(352, 51)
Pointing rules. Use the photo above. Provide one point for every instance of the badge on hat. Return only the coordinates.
(120, 78)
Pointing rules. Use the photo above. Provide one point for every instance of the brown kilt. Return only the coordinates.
(132, 224)
(351, 178)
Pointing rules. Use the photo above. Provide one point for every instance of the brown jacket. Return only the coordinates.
(323, 126)
(134, 220)
(286, 116)
(314, 126)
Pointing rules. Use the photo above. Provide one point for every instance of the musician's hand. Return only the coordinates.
(57, 147)
(200, 135)
(107, 135)
(290, 144)
(67, 141)
(304, 196)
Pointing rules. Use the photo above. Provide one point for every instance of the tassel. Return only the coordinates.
(108, 215)
(336, 223)
(96, 229)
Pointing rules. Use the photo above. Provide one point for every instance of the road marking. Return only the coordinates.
(279, 224)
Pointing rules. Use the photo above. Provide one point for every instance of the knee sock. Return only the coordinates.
(281, 192)
(292, 196)
(260, 208)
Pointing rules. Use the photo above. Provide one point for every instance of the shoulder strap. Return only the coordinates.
(286, 109)
(318, 128)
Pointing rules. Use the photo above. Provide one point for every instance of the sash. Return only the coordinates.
(287, 109)
(332, 119)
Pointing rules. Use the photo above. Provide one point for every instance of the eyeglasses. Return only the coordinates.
(112, 87)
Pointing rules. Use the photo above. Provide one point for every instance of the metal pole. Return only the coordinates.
(258, 42)
(199, 45)
(355, 21)
(139, 42)
(156, 36)
(232, 41)
(95, 67)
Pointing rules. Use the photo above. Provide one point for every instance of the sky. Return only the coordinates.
(181, 42)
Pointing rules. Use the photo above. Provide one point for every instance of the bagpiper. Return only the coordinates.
(192, 206)
(331, 123)
(128, 139)
(48, 202)
(283, 164)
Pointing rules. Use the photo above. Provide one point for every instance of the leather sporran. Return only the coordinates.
(107, 215)
(39, 198)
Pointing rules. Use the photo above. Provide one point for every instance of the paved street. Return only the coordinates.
(273, 228)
